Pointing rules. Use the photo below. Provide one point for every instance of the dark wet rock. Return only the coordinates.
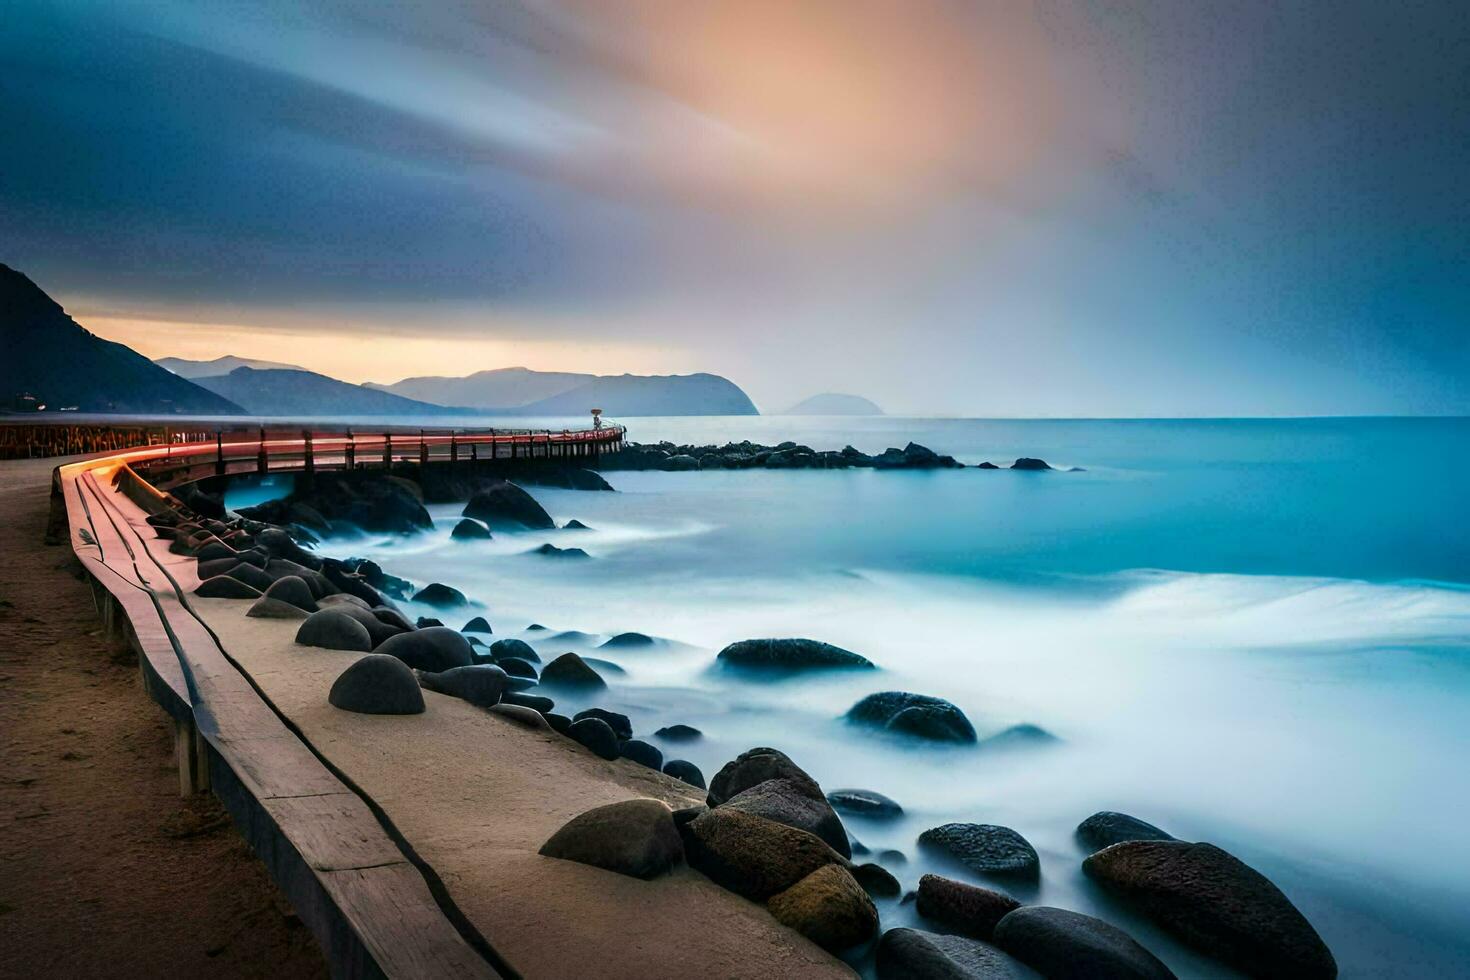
(535, 628)
(750, 855)
(575, 525)
(596, 735)
(503, 502)
(1216, 903)
(560, 724)
(268, 608)
(521, 715)
(216, 566)
(985, 848)
(877, 880)
(292, 589)
(341, 599)
(629, 641)
(909, 954)
(477, 625)
(469, 529)
(516, 667)
(251, 576)
(333, 629)
(278, 544)
(424, 621)
(377, 685)
(755, 766)
(864, 802)
(686, 771)
(789, 654)
(987, 465)
(634, 837)
(552, 551)
(226, 587)
(533, 701)
(913, 714)
(378, 631)
(392, 617)
(440, 595)
(621, 725)
(1065, 945)
(321, 586)
(372, 501)
(859, 849)
(828, 907)
(792, 802)
(335, 574)
(893, 857)
(639, 751)
(684, 815)
(963, 908)
(433, 649)
(1019, 737)
(604, 666)
(679, 733)
(1027, 463)
(680, 462)
(573, 636)
(1106, 828)
(570, 670)
(480, 685)
(514, 648)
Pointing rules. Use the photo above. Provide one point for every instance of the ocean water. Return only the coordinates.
(1255, 633)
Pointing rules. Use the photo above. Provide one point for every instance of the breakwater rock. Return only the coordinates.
(784, 456)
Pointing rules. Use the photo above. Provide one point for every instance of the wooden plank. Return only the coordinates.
(335, 831)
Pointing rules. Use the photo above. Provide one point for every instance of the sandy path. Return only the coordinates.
(106, 871)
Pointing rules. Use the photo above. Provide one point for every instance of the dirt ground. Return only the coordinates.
(104, 870)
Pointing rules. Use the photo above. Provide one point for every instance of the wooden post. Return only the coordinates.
(350, 450)
(262, 462)
(423, 450)
(219, 452)
(453, 450)
(308, 462)
(388, 451)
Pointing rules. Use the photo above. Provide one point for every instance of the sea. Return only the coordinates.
(1249, 632)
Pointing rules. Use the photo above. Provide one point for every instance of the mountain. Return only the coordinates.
(48, 355)
(832, 403)
(295, 392)
(220, 365)
(498, 389)
(519, 391)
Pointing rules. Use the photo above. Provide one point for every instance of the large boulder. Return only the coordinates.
(378, 631)
(985, 848)
(252, 576)
(440, 596)
(1029, 463)
(477, 624)
(963, 908)
(753, 767)
(621, 724)
(913, 714)
(268, 608)
(828, 907)
(433, 649)
(469, 529)
(516, 667)
(680, 733)
(294, 590)
(480, 684)
(503, 502)
(791, 801)
(639, 751)
(750, 855)
(634, 837)
(789, 654)
(686, 771)
(278, 544)
(1216, 903)
(876, 880)
(627, 641)
(596, 735)
(377, 685)
(909, 954)
(514, 648)
(865, 803)
(1065, 945)
(226, 587)
(1107, 827)
(570, 670)
(334, 630)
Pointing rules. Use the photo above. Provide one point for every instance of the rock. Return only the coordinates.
(575, 525)
(892, 856)
(336, 574)
(679, 733)
(684, 815)
(477, 625)
(514, 648)
(864, 802)
(560, 724)
(621, 725)
(226, 587)
(480, 685)
(278, 544)
(686, 771)
(1065, 945)
(268, 608)
(535, 627)
(440, 595)
(1216, 903)
(516, 667)
(877, 880)
(604, 666)
(596, 735)
(423, 621)
(792, 802)
(1027, 463)
(341, 599)
(392, 617)
(639, 751)
(1106, 828)
(378, 631)
(963, 908)
(634, 837)
(469, 529)
(433, 649)
(254, 577)
(216, 566)
(755, 766)
(569, 670)
(629, 640)
(681, 462)
(914, 714)
(553, 551)
(789, 654)
(504, 502)
(828, 907)
(533, 701)
(909, 954)
(333, 630)
(985, 848)
(752, 856)
(987, 465)
(216, 550)
(521, 715)
(1018, 737)
(376, 685)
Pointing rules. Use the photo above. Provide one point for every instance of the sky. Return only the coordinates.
(1065, 208)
